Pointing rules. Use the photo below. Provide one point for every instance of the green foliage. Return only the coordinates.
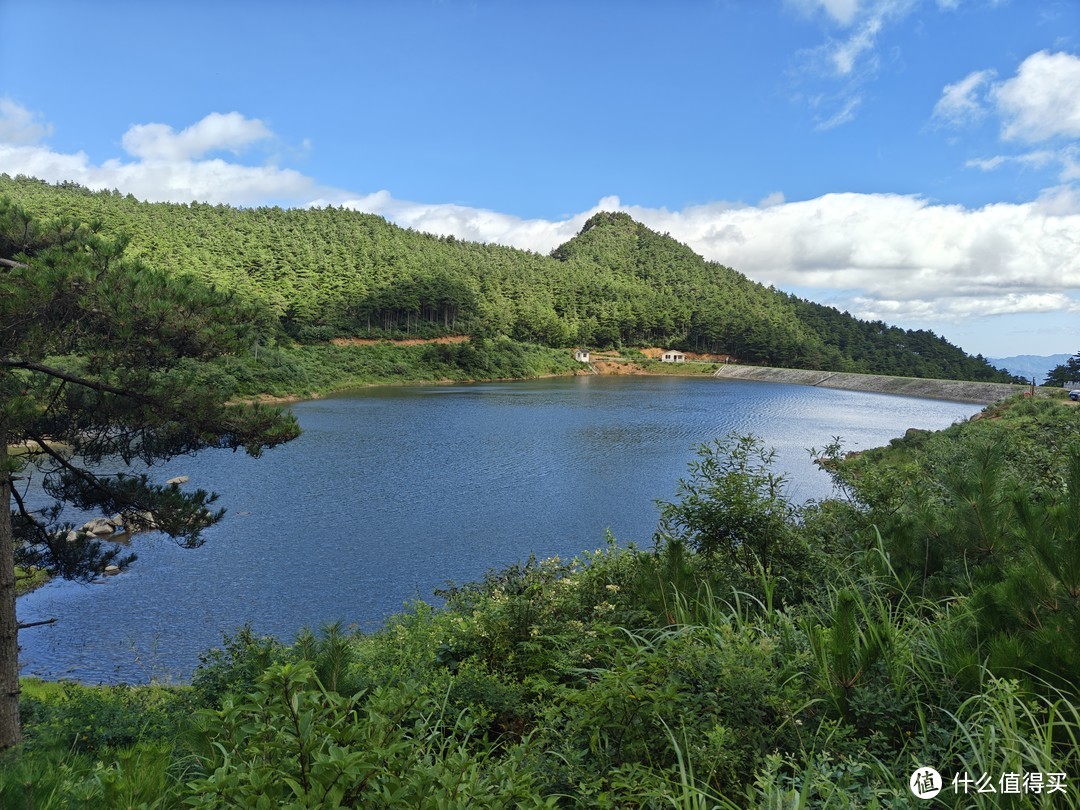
(322, 273)
(1067, 372)
(144, 776)
(987, 511)
(292, 742)
(733, 509)
(100, 358)
(26, 579)
(91, 719)
(1028, 610)
(320, 368)
(234, 668)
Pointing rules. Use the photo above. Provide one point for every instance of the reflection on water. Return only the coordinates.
(391, 492)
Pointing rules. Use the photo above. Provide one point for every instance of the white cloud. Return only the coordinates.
(1059, 201)
(216, 132)
(844, 55)
(19, 126)
(987, 164)
(1040, 104)
(167, 167)
(850, 58)
(841, 11)
(960, 102)
(866, 21)
(931, 310)
(841, 116)
(1036, 160)
(476, 224)
(1043, 100)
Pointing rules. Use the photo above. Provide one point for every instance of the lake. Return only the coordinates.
(391, 492)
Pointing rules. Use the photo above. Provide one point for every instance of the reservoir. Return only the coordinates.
(392, 492)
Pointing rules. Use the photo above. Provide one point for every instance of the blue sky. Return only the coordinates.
(916, 161)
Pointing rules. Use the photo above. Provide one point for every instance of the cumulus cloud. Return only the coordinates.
(1040, 104)
(929, 310)
(19, 126)
(169, 165)
(1043, 100)
(476, 224)
(216, 132)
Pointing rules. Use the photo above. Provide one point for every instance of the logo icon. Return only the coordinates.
(925, 783)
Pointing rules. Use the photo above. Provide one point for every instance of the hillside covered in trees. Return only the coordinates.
(326, 272)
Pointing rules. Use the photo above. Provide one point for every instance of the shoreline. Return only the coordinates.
(646, 362)
(982, 393)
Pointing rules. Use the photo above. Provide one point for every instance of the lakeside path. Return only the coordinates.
(982, 393)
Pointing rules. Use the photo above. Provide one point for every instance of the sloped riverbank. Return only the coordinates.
(957, 390)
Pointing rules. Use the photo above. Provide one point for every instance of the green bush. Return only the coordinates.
(290, 742)
(91, 719)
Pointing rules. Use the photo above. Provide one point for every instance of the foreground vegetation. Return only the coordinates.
(762, 654)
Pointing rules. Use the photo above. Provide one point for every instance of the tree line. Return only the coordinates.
(331, 272)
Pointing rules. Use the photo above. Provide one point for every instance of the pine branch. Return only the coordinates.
(105, 388)
(68, 377)
(39, 527)
(78, 472)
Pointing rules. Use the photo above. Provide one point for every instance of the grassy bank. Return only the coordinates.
(305, 370)
(28, 579)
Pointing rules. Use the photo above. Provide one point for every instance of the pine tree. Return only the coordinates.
(103, 359)
(1067, 372)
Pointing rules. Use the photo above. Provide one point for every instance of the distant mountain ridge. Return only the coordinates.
(325, 273)
(1029, 365)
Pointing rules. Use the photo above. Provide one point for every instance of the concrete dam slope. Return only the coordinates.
(956, 390)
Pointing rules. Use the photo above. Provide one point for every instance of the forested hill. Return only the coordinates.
(333, 272)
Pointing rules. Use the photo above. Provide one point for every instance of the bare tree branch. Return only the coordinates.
(24, 625)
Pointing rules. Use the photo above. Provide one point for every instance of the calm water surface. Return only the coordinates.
(391, 492)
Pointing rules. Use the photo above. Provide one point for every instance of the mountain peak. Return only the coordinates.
(611, 219)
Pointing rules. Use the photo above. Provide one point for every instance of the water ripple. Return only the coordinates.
(391, 492)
